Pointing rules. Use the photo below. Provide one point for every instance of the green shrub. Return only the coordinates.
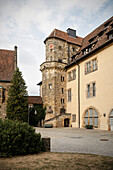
(18, 139)
(89, 126)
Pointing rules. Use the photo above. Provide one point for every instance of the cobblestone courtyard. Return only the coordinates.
(77, 140)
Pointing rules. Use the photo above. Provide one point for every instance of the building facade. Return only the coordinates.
(8, 64)
(77, 78)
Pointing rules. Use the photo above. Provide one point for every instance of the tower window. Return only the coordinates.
(62, 78)
(60, 47)
(62, 91)
(62, 101)
(50, 86)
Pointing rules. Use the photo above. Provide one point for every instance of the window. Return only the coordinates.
(69, 95)
(88, 66)
(91, 66)
(84, 52)
(69, 76)
(73, 118)
(62, 91)
(74, 49)
(59, 60)
(91, 90)
(94, 64)
(60, 47)
(74, 74)
(51, 58)
(110, 36)
(88, 90)
(50, 86)
(111, 120)
(91, 117)
(62, 101)
(62, 78)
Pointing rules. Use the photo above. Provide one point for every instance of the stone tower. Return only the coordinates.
(60, 46)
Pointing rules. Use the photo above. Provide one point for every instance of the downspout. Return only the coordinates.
(79, 95)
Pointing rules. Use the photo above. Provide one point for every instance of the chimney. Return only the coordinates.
(15, 48)
(71, 32)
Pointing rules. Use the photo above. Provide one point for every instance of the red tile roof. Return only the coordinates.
(64, 36)
(95, 39)
(7, 64)
(35, 100)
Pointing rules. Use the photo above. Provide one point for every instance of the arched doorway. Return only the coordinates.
(111, 120)
(91, 117)
(66, 122)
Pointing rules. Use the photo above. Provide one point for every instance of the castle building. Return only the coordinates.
(77, 78)
(8, 64)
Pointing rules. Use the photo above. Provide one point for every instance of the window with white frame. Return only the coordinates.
(91, 117)
(91, 90)
(91, 66)
(74, 74)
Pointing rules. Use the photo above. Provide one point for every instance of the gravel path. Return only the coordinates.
(77, 140)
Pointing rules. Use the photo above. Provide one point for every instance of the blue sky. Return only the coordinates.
(26, 23)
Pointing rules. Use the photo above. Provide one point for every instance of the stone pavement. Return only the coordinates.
(75, 140)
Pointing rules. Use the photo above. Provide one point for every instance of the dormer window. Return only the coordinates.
(74, 49)
(110, 36)
(92, 39)
(84, 52)
(107, 24)
(101, 33)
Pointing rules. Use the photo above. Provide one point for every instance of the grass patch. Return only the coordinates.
(48, 160)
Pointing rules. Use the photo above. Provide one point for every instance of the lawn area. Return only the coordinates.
(59, 161)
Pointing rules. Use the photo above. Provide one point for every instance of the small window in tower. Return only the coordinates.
(51, 58)
(50, 86)
(62, 78)
(62, 101)
(60, 60)
(62, 90)
(60, 47)
(51, 50)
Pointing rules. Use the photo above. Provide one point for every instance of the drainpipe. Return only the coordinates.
(79, 95)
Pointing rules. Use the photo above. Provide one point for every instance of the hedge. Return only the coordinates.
(18, 138)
